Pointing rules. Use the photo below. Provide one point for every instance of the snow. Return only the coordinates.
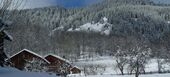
(10, 37)
(149, 75)
(93, 27)
(12, 72)
(71, 29)
(105, 19)
(100, 27)
(107, 32)
(61, 28)
(106, 62)
(110, 71)
(168, 22)
(152, 66)
(29, 52)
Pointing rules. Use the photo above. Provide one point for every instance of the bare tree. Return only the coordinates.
(121, 60)
(139, 55)
(35, 65)
(8, 8)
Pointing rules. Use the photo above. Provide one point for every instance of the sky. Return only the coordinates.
(76, 3)
(63, 3)
(66, 3)
(26, 4)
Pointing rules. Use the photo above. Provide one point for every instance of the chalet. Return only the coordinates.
(3, 36)
(58, 64)
(75, 70)
(29, 61)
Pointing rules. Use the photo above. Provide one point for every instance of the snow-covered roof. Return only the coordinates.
(31, 53)
(57, 57)
(75, 67)
(8, 36)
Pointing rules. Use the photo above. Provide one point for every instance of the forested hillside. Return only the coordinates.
(46, 30)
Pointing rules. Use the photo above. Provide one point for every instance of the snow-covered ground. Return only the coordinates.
(102, 27)
(149, 75)
(11, 72)
(105, 67)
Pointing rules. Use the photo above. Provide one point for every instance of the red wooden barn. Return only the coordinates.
(60, 65)
(28, 60)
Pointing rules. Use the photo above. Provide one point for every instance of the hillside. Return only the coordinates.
(48, 29)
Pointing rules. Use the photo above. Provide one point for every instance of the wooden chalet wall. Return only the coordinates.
(58, 65)
(19, 60)
(75, 70)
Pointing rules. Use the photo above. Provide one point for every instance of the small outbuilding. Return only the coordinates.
(29, 61)
(75, 70)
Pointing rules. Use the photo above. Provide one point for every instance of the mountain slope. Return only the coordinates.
(51, 29)
(162, 1)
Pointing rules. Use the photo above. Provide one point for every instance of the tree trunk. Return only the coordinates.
(122, 72)
(137, 70)
(159, 66)
(2, 53)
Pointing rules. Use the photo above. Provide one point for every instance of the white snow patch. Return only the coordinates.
(107, 32)
(59, 28)
(105, 19)
(92, 27)
(12, 72)
(149, 75)
(103, 28)
(71, 29)
(168, 22)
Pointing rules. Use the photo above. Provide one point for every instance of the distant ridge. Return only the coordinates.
(162, 1)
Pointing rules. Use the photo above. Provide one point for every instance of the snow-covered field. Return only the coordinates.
(11, 72)
(151, 75)
(105, 67)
